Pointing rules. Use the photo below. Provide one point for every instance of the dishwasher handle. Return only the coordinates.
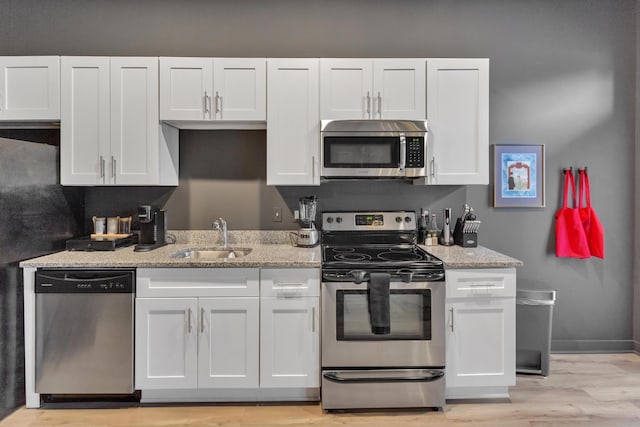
(85, 281)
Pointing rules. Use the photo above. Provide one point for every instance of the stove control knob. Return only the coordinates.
(339, 219)
(407, 219)
(329, 219)
(398, 219)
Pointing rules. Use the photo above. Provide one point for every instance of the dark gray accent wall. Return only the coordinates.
(36, 217)
(636, 228)
(563, 74)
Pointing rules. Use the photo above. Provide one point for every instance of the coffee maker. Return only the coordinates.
(153, 228)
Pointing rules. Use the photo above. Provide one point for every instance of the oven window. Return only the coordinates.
(409, 316)
(361, 152)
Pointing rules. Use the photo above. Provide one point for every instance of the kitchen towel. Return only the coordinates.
(591, 223)
(379, 307)
(571, 239)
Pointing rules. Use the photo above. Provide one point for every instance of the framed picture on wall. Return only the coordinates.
(518, 176)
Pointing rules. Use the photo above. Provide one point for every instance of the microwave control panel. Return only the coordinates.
(415, 152)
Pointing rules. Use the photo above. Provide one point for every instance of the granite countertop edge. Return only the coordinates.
(478, 257)
(268, 249)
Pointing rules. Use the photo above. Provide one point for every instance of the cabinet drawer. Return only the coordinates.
(289, 282)
(491, 282)
(199, 282)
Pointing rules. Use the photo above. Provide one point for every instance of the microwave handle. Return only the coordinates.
(403, 151)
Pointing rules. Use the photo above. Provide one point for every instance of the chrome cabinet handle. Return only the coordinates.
(379, 105)
(432, 173)
(188, 320)
(102, 168)
(206, 103)
(201, 320)
(218, 104)
(113, 168)
(451, 311)
(313, 319)
(369, 104)
(403, 151)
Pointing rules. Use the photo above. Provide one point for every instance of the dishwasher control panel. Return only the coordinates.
(85, 281)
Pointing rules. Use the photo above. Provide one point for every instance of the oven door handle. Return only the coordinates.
(431, 375)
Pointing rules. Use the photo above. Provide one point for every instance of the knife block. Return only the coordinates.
(466, 240)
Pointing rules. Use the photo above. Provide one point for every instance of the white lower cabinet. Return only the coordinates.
(480, 338)
(206, 329)
(289, 328)
(187, 341)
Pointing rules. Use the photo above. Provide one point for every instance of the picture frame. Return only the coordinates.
(518, 176)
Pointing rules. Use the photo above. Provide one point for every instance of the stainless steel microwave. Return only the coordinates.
(373, 149)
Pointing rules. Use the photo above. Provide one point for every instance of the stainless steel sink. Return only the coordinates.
(211, 253)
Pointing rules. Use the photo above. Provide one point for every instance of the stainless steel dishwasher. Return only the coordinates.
(84, 331)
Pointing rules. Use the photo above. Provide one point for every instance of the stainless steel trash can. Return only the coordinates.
(534, 315)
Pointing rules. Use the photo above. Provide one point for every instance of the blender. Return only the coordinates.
(307, 236)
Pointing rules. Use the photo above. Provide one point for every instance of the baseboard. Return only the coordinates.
(636, 346)
(594, 346)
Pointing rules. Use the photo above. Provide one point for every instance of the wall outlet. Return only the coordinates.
(276, 214)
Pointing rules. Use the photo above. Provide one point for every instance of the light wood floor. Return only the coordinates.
(593, 390)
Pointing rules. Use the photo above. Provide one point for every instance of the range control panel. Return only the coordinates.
(356, 221)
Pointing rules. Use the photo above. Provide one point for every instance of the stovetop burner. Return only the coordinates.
(378, 256)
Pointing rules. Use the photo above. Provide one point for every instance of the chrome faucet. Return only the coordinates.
(221, 225)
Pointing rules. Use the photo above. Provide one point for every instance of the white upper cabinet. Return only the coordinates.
(30, 88)
(372, 89)
(293, 122)
(109, 128)
(458, 120)
(207, 89)
(85, 144)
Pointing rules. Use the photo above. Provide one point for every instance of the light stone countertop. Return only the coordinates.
(479, 257)
(268, 249)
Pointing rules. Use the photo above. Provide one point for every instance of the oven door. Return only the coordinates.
(416, 318)
(363, 155)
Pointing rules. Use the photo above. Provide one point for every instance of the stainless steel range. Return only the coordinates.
(383, 319)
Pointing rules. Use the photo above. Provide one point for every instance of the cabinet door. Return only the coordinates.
(134, 158)
(289, 342)
(239, 89)
(30, 88)
(399, 89)
(228, 346)
(84, 120)
(293, 125)
(458, 118)
(346, 89)
(185, 88)
(481, 342)
(166, 343)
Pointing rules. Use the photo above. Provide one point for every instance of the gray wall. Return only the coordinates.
(636, 234)
(562, 74)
